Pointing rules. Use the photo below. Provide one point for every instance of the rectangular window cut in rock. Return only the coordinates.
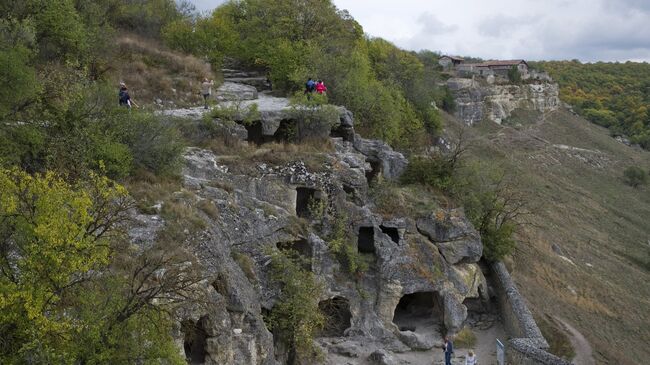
(304, 197)
(374, 174)
(366, 241)
(392, 232)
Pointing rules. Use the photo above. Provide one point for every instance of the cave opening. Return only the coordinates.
(419, 312)
(194, 341)
(338, 317)
(374, 174)
(300, 247)
(255, 133)
(392, 232)
(475, 305)
(366, 240)
(305, 197)
(286, 132)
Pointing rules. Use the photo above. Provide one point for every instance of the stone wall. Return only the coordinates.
(527, 345)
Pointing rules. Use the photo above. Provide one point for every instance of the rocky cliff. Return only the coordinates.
(422, 265)
(477, 101)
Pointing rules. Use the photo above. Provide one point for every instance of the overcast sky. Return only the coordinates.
(589, 30)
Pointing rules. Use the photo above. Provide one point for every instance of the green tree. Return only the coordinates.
(514, 75)
(67, 277)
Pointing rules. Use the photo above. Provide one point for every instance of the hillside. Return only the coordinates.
(585, 255)
(613, 95)
(280, 227)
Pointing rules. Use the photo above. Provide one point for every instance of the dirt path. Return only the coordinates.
(580, 345)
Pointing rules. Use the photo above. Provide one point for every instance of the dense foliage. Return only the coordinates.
(613, 95)
(67, 274)
(389, 90)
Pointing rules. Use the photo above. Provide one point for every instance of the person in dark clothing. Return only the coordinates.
(310, 86)
(125, 98)
(448, 347)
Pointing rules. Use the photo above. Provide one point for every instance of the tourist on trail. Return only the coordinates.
(206, 90)
(125, 98)
(310, 86)
(448, 347)
(470, 359)
(320, 87)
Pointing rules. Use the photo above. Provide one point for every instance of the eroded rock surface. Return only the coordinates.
(476, 101)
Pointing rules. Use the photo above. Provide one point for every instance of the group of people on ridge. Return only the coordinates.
(315, 86)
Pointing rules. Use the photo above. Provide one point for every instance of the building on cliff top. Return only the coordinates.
(494, 68)
(450, 62)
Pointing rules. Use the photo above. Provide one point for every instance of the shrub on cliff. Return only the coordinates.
(635, 176)
(295, 317)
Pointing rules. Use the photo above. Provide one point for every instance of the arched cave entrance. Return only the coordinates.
(337, 316)
(420, 312)
(392, 232)
(194, 341)
(366, 240)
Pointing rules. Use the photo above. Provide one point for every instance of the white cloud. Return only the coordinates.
(589, 30)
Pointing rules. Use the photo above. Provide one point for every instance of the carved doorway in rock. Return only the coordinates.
(337, 316)
(194, 341)
(420, 312)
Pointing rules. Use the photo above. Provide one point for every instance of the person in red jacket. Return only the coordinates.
(320, 87)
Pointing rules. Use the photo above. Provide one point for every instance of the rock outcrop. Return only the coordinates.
(477, 101)
(230, 91)
(256, 214)
(421, 266)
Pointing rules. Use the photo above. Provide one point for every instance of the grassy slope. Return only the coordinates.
(600, 224)
(153, 72)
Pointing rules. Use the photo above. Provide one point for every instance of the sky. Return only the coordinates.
(588, 30)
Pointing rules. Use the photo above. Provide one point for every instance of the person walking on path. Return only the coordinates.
(320, 87)
(206, 90)
(125, 98)
(448, 347)
(470, 359)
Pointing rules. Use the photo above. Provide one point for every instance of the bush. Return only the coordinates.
(635, 176)
(436, 172)
(465, 339)
(340, 244)
(295, 317)
(154, 143)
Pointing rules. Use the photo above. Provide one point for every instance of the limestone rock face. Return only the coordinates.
(454, 235)
(274, 111)
(230, 91)
(391, 163)
(476, 102)
(265, 208)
